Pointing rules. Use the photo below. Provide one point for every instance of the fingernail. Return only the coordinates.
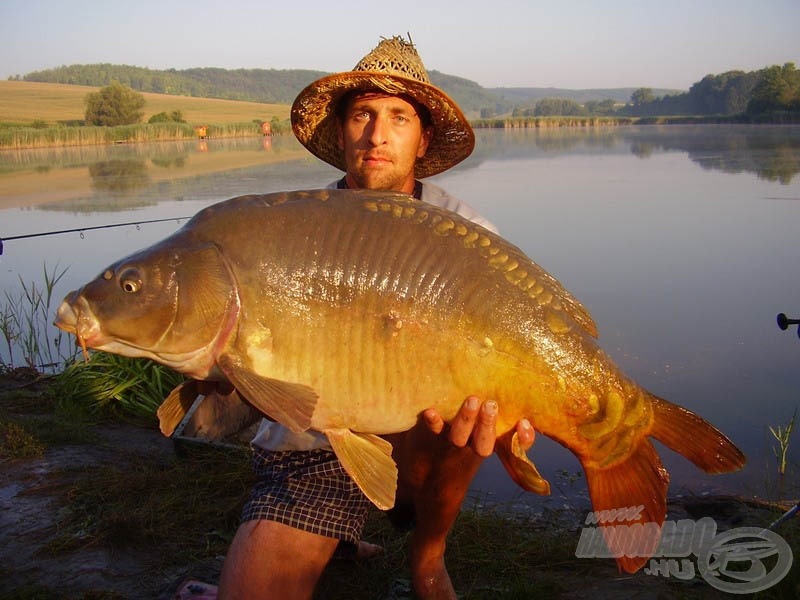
(490, 407)
(472, 403)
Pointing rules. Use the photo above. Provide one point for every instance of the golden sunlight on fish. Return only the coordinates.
(350, 312)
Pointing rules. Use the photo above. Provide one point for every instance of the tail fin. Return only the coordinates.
(637, 485)
(691, 436)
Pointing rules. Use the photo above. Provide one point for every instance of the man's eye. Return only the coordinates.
(361, 116)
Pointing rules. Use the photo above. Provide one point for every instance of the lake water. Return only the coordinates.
(682, 243)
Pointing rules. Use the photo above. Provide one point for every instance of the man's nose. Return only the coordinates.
(378, 129)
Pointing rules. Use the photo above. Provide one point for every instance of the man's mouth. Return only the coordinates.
(376, 160)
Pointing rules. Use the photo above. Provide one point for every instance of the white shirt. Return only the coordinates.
(274, 436)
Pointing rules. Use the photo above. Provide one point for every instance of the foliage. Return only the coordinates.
(114, 105)
(175, 116)
(600, 107)
(258, 85)
(25, 325)
(769, 90)
(777, 90)
(642, 96)
(724, 94)
(116, 385)
(552, 107)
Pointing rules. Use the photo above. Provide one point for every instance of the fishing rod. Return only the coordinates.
(786, 516)
(82, 229)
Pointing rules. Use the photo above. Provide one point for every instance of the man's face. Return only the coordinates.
(381, 137)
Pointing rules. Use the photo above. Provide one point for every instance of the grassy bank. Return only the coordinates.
(23, 103)
(38, 115)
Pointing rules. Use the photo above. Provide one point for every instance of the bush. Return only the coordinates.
(114, 105)
(175, 116)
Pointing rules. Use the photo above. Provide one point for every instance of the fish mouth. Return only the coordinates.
(76, 317)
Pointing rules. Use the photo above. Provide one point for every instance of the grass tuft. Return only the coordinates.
(113, 385)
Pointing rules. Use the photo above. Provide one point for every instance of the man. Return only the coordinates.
(386, 127)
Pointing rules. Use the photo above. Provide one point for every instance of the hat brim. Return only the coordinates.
(314, 118)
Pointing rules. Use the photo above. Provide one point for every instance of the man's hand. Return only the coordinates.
(475, 425)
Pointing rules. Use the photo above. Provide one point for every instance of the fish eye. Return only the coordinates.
(130, 281)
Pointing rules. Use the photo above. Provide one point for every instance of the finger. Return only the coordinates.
(433, 420)
(525, 434)
(462, 426)
(484, 434)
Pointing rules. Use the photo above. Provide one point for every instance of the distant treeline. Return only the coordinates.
(771, 89)
(774, 89)
(255, 85)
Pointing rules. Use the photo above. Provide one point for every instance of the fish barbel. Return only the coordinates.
(350, 312)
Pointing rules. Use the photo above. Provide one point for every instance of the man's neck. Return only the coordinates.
(345, 183)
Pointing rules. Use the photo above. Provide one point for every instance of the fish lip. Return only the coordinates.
(66, 317)
(75, 316)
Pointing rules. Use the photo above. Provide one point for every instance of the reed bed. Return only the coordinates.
(551, 122)
(18, 138)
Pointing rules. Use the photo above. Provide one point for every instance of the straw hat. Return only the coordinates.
(395, 68)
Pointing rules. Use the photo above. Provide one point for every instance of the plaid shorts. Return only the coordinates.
(308, 490)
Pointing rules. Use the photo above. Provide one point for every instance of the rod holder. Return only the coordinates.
(784, 322)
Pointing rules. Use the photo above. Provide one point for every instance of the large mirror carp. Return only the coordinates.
(350, 312)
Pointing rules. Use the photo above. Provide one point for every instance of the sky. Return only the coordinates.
(573, 44)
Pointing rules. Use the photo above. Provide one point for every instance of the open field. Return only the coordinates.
(23, 102)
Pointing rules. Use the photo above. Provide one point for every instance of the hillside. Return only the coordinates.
(24, 102)
(282, 86)
(775, 88)
(528, 95)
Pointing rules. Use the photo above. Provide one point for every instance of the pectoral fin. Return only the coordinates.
(368, 460)
(519, 467)
(291, 404)
(176, 405)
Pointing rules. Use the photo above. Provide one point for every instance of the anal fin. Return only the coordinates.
(368, 460)
(519, 467)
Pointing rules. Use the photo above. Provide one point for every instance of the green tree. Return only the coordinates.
(642, 96)
(724, 94)
(175, 116)
(561, 107)
(113, 105)
(778, 89)
(600, 107)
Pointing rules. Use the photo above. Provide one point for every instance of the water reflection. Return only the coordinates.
(772, 153)
(118, 176)
(130, 175)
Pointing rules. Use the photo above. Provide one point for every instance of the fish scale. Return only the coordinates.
(350, 312)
